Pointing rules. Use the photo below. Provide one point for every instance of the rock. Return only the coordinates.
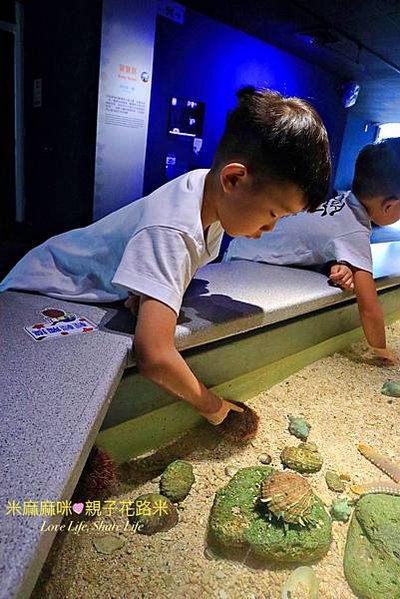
(391, 388)
(209, 554)
(108, 544)
(340, 510)
(372, 552)
(267, 540)
(302, 582)
(153, 513)
(265, 458)
(230, 471)
(177, 480)
(299, 427)
(345, 476)
(334, 481)
(303, 458)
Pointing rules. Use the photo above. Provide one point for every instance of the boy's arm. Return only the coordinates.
(371, 313)
(158, 360)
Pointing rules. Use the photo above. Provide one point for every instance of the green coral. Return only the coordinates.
(238, 524)
(299, 427)
(177, 480)
(372, 553)
(340, 509)
(391, 388)
(240, 495)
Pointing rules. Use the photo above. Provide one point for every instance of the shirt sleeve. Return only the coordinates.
(354, 248)
(158, 262)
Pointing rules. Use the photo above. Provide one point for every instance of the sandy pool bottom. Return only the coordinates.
(339, 395)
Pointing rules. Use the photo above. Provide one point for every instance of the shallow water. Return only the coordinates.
(340, 397)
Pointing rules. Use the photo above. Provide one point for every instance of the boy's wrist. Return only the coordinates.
(343, 262)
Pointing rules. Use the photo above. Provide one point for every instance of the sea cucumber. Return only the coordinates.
(378, 486)
(380, 461)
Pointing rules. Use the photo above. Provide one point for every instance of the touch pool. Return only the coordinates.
(340, 397)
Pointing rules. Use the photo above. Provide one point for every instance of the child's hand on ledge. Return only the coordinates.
(342, 276)
(386, 354)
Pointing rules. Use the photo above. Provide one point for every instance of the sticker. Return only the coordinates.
(54, 315)
(60, 328)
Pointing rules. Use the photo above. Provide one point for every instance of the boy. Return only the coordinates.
(337, 234)
(273, 160)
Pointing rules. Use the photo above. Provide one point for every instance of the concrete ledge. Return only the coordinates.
(233, 297)
(230, 298)
(54, 396)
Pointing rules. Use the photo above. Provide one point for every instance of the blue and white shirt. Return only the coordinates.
(153, 246)
(339, 230)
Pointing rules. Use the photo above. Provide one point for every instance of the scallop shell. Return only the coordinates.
(288, 496)
(304, 458)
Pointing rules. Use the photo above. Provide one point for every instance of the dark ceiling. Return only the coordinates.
(355, 39)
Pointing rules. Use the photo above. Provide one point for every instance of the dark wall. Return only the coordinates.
(7, 122)
(208, 61)
(7, 135)
(355, 137)
(62, 47)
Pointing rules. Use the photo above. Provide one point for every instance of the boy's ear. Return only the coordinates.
(232, 174)
(387, 203)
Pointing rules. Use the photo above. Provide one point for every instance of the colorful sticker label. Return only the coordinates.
(59, 323)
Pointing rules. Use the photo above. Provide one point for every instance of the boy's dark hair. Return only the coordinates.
(279, 139)
(377, 170)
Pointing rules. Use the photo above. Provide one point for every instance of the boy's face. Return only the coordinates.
(383, 211)
(247, 211)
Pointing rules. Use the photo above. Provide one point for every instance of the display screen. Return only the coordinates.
(186, 117)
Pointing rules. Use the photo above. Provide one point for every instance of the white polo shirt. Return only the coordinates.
(152, 246)
(339, 230)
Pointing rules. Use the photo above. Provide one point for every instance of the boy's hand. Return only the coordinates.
(221, 414)
(342, 275)
(386, 354)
